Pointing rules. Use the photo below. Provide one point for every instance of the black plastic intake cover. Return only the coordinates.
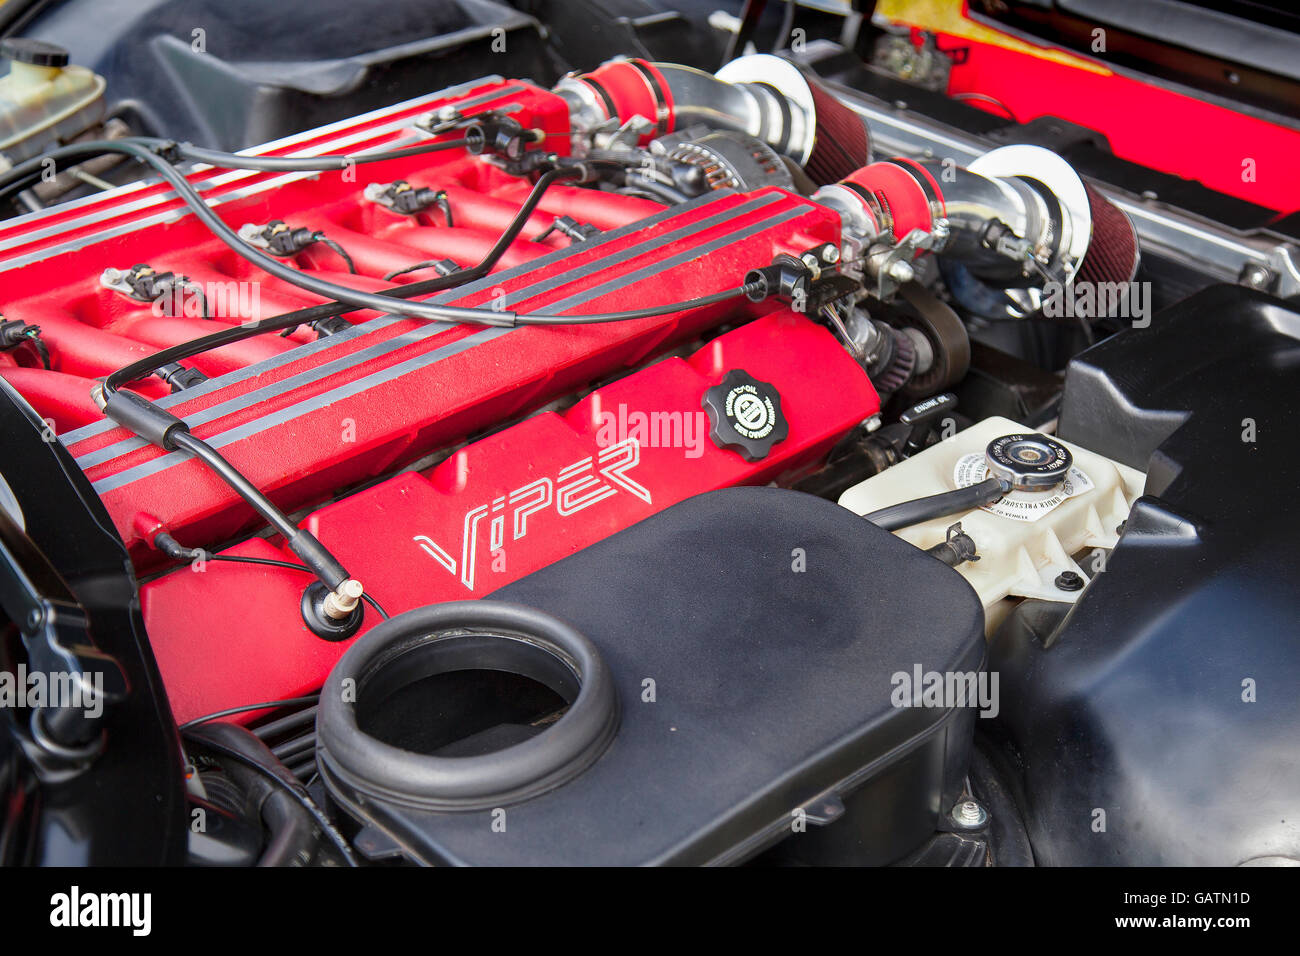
(752, 635)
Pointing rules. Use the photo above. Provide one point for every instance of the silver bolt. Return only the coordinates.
(1257, 277)
(901, 271)
(831, 254)
(813, 263)
(969, 814)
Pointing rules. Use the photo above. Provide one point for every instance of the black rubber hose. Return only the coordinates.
(279, 726)
(956, 550)
(160, 427)
(300, 541)
(908, 513)
(301, 768)
(245, 708)
(275, 794)
(233, 477)
(591, 318)
(293, 750)
(655, 192)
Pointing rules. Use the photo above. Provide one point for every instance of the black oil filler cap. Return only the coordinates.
(746, 415)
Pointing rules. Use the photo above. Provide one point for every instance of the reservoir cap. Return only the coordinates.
(1029, 461)
(35, 52)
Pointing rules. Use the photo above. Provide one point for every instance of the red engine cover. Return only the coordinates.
(333, 412)
(305, 419)
(500, 508)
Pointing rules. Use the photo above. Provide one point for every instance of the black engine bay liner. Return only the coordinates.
(1167, 698)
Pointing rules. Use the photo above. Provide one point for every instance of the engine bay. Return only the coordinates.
(790, 463)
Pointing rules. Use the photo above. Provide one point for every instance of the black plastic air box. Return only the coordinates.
(751, 639)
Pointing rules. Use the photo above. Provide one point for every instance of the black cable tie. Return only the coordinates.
(169, 151)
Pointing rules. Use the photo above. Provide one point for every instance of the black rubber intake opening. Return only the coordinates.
(464, 706)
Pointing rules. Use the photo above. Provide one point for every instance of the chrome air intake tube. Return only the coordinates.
(764, 96)
(1015, 220)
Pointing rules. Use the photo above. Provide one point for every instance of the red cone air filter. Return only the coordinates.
(1112, 254)
(840, 144)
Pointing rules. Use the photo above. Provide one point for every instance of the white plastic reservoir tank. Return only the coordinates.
(1025, 539)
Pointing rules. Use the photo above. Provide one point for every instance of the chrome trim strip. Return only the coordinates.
(163, 462)
(696, 252)
(533, 265)
(632, 252)
(230, 378)
(383, 376)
